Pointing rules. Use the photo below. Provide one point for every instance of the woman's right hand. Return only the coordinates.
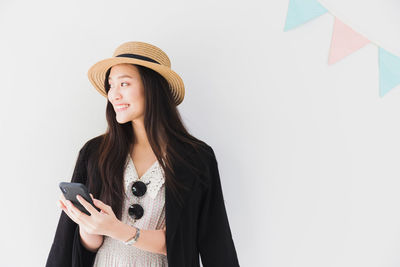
(62, 203)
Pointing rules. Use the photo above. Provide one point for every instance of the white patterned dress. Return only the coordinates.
(114, 253)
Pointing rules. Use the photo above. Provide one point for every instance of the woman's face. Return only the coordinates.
(126, 88)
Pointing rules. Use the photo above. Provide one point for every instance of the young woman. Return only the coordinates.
(157, 187)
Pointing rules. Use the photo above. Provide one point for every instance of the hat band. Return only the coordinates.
(138, 57)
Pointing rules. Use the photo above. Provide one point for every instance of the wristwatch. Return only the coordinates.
(134, 238)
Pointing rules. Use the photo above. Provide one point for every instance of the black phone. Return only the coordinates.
(70, 190)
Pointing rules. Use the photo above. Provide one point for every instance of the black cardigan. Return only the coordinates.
(199, 227)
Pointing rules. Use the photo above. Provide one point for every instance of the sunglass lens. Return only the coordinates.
(135, 211)
(139, 188)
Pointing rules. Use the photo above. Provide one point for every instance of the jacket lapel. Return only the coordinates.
(173, 210)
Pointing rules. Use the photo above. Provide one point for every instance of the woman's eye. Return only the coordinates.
(121, 84)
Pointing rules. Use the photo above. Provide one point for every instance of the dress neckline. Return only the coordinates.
(146, 172)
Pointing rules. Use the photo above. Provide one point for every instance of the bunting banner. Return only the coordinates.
(301, 11)
(345, 41)
(389, 71)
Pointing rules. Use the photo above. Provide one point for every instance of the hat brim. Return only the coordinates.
(97, 75)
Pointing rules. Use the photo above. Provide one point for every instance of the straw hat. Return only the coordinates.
(143, 54)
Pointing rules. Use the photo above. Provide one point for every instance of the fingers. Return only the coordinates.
(86, 204)
(62, 206)
(102, 206)
(62, 199)
(78, 216)
(73, 213)
(66, 210)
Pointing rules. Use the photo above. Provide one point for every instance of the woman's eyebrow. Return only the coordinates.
(121, 76)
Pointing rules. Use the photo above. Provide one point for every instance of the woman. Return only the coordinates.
(157, 187)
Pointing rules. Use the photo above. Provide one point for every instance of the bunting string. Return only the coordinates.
(345, 41)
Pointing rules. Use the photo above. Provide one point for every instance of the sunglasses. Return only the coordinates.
(138, 189)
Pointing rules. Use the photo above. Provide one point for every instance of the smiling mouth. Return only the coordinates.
(122, 108)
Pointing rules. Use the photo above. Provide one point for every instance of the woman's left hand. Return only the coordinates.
(101, 223)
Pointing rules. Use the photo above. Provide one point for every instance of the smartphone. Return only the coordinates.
(70, 190)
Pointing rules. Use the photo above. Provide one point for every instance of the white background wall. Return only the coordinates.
(308, 153)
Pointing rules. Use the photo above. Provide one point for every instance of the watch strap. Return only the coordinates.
(134, 238)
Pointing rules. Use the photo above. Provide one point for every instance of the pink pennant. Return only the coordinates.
(344, 42)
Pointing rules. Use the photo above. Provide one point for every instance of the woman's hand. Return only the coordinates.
(99, 223)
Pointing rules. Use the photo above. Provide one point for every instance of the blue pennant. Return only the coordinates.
(389, 71)
(301, 11)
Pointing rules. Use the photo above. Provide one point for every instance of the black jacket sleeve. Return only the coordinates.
(67, 249)
(215, 241)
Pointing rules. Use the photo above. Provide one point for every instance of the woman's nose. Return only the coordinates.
(115, 95)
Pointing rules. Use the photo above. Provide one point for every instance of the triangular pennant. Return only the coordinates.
(344, 41)
(301, 11)
(389, 71)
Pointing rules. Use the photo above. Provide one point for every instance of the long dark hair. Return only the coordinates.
(165, 131)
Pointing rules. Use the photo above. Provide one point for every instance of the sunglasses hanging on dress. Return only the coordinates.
(138, 189)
